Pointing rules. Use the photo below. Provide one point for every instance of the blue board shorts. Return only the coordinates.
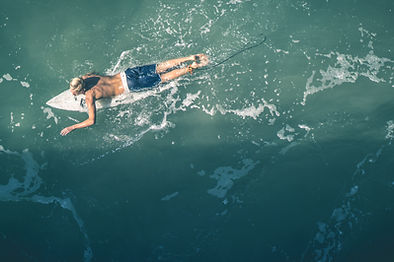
(141, 77)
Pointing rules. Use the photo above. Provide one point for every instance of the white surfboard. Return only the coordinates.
(66, 101)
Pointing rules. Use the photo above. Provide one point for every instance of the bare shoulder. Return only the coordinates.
(89, 75)
(94, 93)
(90, 95)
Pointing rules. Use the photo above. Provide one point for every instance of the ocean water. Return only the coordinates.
(283, 153)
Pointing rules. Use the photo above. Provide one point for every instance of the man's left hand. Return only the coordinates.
(66, 130)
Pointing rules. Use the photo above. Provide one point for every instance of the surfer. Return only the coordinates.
(95, 86)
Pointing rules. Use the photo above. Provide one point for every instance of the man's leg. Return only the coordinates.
(164, 66)
(174, 74)
(181, 71)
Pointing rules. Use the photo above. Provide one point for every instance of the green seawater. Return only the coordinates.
(283, 153)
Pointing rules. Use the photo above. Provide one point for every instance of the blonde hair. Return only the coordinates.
(77, 84)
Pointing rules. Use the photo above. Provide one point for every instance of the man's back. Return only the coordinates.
(103, 86)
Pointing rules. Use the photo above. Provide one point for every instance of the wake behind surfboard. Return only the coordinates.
(66, 101)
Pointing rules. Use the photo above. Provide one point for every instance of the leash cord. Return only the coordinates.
(245, 48)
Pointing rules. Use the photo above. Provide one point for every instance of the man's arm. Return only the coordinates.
(92, 74)
(90, 102)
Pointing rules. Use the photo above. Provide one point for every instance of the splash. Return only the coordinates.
(347, 69)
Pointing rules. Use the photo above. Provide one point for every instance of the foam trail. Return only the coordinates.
(329, 238)
(17, 190)
(67, 204)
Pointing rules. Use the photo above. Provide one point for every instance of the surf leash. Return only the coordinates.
(248, 46)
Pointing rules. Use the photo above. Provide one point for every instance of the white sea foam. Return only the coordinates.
(281, 51)
(189, 100)
(234, 2)
(346, 69)
(73, 119)
(50, 115)
(282, 133)
(289, 128)
(1, 80)
(226, 176)
(252, 111)
(143, 119)
(365, 31)
(210, 112)
(25, 84)
(7, 77)
(306, 128)
(390, 130)
(13, 123)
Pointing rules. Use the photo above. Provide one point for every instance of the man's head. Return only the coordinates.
(77, 85)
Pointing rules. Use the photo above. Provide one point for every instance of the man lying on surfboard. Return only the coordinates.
(95, 87)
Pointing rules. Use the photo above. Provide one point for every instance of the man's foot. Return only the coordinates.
(200, 60)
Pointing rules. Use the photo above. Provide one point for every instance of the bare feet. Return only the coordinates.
(200, 60)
